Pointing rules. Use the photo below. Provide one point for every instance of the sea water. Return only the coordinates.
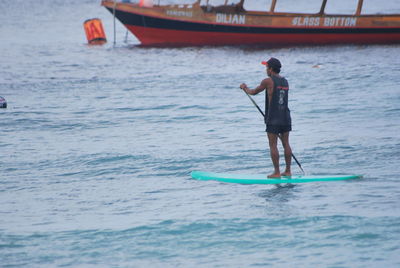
(97, 144)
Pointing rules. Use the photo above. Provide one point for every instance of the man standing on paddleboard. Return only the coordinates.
(277, 114)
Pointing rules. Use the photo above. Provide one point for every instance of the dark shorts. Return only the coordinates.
(278, 129)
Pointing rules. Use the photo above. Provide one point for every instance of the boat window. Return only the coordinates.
(368, 7)
(223, 6)
(257, 5)
(342, 7)
(380, 7)
(301, 6)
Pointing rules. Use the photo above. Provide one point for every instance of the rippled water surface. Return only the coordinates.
(97, 145)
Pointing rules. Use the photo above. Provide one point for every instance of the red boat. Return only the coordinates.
(196, 24)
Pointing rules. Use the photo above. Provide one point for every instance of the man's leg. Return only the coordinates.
(273, 148)
(288, 154)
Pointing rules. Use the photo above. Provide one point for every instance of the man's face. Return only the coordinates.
(268, 71)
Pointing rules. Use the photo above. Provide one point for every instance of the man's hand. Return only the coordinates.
(243, 86)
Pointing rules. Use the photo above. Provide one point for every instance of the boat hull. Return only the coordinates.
(166, 37)
(154, 27)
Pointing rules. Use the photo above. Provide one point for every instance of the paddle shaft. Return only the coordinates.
(279, 135)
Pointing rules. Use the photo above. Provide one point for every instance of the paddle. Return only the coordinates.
(279, 135)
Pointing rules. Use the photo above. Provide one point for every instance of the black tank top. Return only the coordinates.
(278, 113)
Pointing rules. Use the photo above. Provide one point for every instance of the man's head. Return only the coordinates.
(273, 65)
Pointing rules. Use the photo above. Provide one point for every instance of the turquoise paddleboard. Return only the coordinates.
(262, 178)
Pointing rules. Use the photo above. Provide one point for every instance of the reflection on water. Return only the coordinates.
(278, 200)
(281, 193)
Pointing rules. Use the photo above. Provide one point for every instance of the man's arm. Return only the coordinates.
(265, 84)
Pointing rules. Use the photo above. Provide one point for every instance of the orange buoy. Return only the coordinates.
(94, 32)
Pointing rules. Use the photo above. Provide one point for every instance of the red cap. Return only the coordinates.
(272, 62)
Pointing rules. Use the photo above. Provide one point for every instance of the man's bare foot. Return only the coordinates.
(286, 174)
(274, 175)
